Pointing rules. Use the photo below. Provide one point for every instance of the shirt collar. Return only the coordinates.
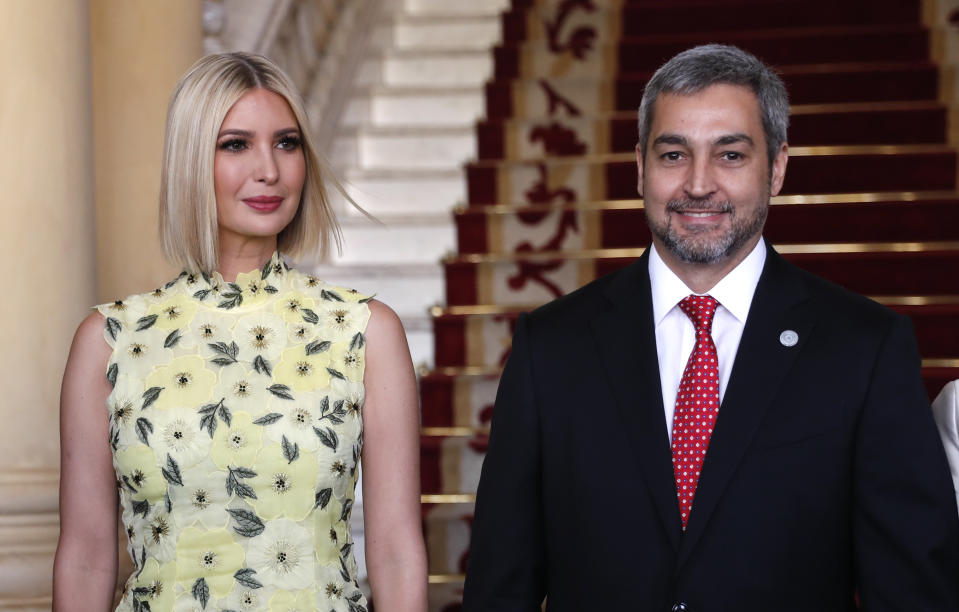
(734, 291)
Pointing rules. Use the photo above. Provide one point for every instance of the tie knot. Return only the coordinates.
(700, 309)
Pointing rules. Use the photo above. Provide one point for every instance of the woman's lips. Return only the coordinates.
(263, 203)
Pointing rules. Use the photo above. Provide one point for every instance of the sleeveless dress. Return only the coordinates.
(236, 430)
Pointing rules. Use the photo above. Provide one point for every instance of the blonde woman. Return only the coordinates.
(228, 410)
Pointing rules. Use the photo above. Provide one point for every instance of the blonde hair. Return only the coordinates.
(198, 105)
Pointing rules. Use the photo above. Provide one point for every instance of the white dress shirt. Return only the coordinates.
(675, 332)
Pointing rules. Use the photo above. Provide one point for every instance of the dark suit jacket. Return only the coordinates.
(824, 474)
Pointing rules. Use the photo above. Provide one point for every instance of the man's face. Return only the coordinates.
(705, 175)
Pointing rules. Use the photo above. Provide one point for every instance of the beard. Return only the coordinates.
(699, 246)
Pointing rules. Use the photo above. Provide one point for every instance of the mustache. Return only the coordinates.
(698, 206)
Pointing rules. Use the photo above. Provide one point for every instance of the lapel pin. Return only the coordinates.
(788, 338)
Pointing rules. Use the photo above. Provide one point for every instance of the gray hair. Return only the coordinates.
(695, 69)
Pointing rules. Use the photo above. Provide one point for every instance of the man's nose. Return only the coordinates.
(700, 180)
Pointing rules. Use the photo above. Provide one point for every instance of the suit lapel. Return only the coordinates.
(761, 363)
(627, 343)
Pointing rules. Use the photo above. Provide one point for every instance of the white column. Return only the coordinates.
(47, 250)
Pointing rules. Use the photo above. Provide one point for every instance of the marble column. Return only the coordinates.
(47, 250)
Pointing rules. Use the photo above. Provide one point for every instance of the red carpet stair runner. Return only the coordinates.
(870, 199)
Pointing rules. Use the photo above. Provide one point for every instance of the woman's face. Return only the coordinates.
(258, 168)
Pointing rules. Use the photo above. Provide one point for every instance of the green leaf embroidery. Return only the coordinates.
(173, 282)
(344, 573)
(281, 391)
(331, 296)
(358, 341)
(233, 483)
(309, 316)
(290, 451)
(232, 298)
(324, 404)
(328, 437)
(227, 352)
(262, 366)
(317, 347)
(248, 524)
(169, 503)
(245, 577)
(150, 396)
(172, 471)
(141, 507)
(268, 419)
(208, 416)
(113, 327)
(265, 271)
(144, 429)
(336, 373)
(225, 415)
(366, 299)
(347, 508)
(146, 322)
(271, 289)
(172, 338)
(201, 592)
(323, 498)
(201, 294)
(112, 372)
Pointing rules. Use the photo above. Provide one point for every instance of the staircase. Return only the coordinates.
(870, 199)
(406, 132)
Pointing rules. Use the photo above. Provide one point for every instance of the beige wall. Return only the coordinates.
(140, 49)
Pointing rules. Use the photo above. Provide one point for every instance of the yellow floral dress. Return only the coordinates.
(236, 430)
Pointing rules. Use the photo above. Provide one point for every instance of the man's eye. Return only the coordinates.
(672, 156)
(732, 156)
(234, 144)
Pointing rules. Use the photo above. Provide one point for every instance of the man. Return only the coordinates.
(711, 428)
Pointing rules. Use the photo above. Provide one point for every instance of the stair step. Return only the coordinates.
(414, 106)
(409, 32)
(867, 268)
(807, 84)
(812, 170)
(448, 528)
(877, 123)
(463, 397)
(864, 217)
(430, 68)
(404, 190)
(778, 47)
(451, 464)
(635, 19)
(406, 146)
(483, 338)
(447, 8)
(421, 239)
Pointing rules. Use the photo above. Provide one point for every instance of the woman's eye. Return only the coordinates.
(235, 144)
(289, 143)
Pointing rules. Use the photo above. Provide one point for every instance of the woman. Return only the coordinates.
(228, 410)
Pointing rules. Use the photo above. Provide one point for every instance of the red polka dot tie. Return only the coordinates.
(697, 403)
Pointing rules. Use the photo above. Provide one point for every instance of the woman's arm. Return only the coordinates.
(84, 571)
(395, 554)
